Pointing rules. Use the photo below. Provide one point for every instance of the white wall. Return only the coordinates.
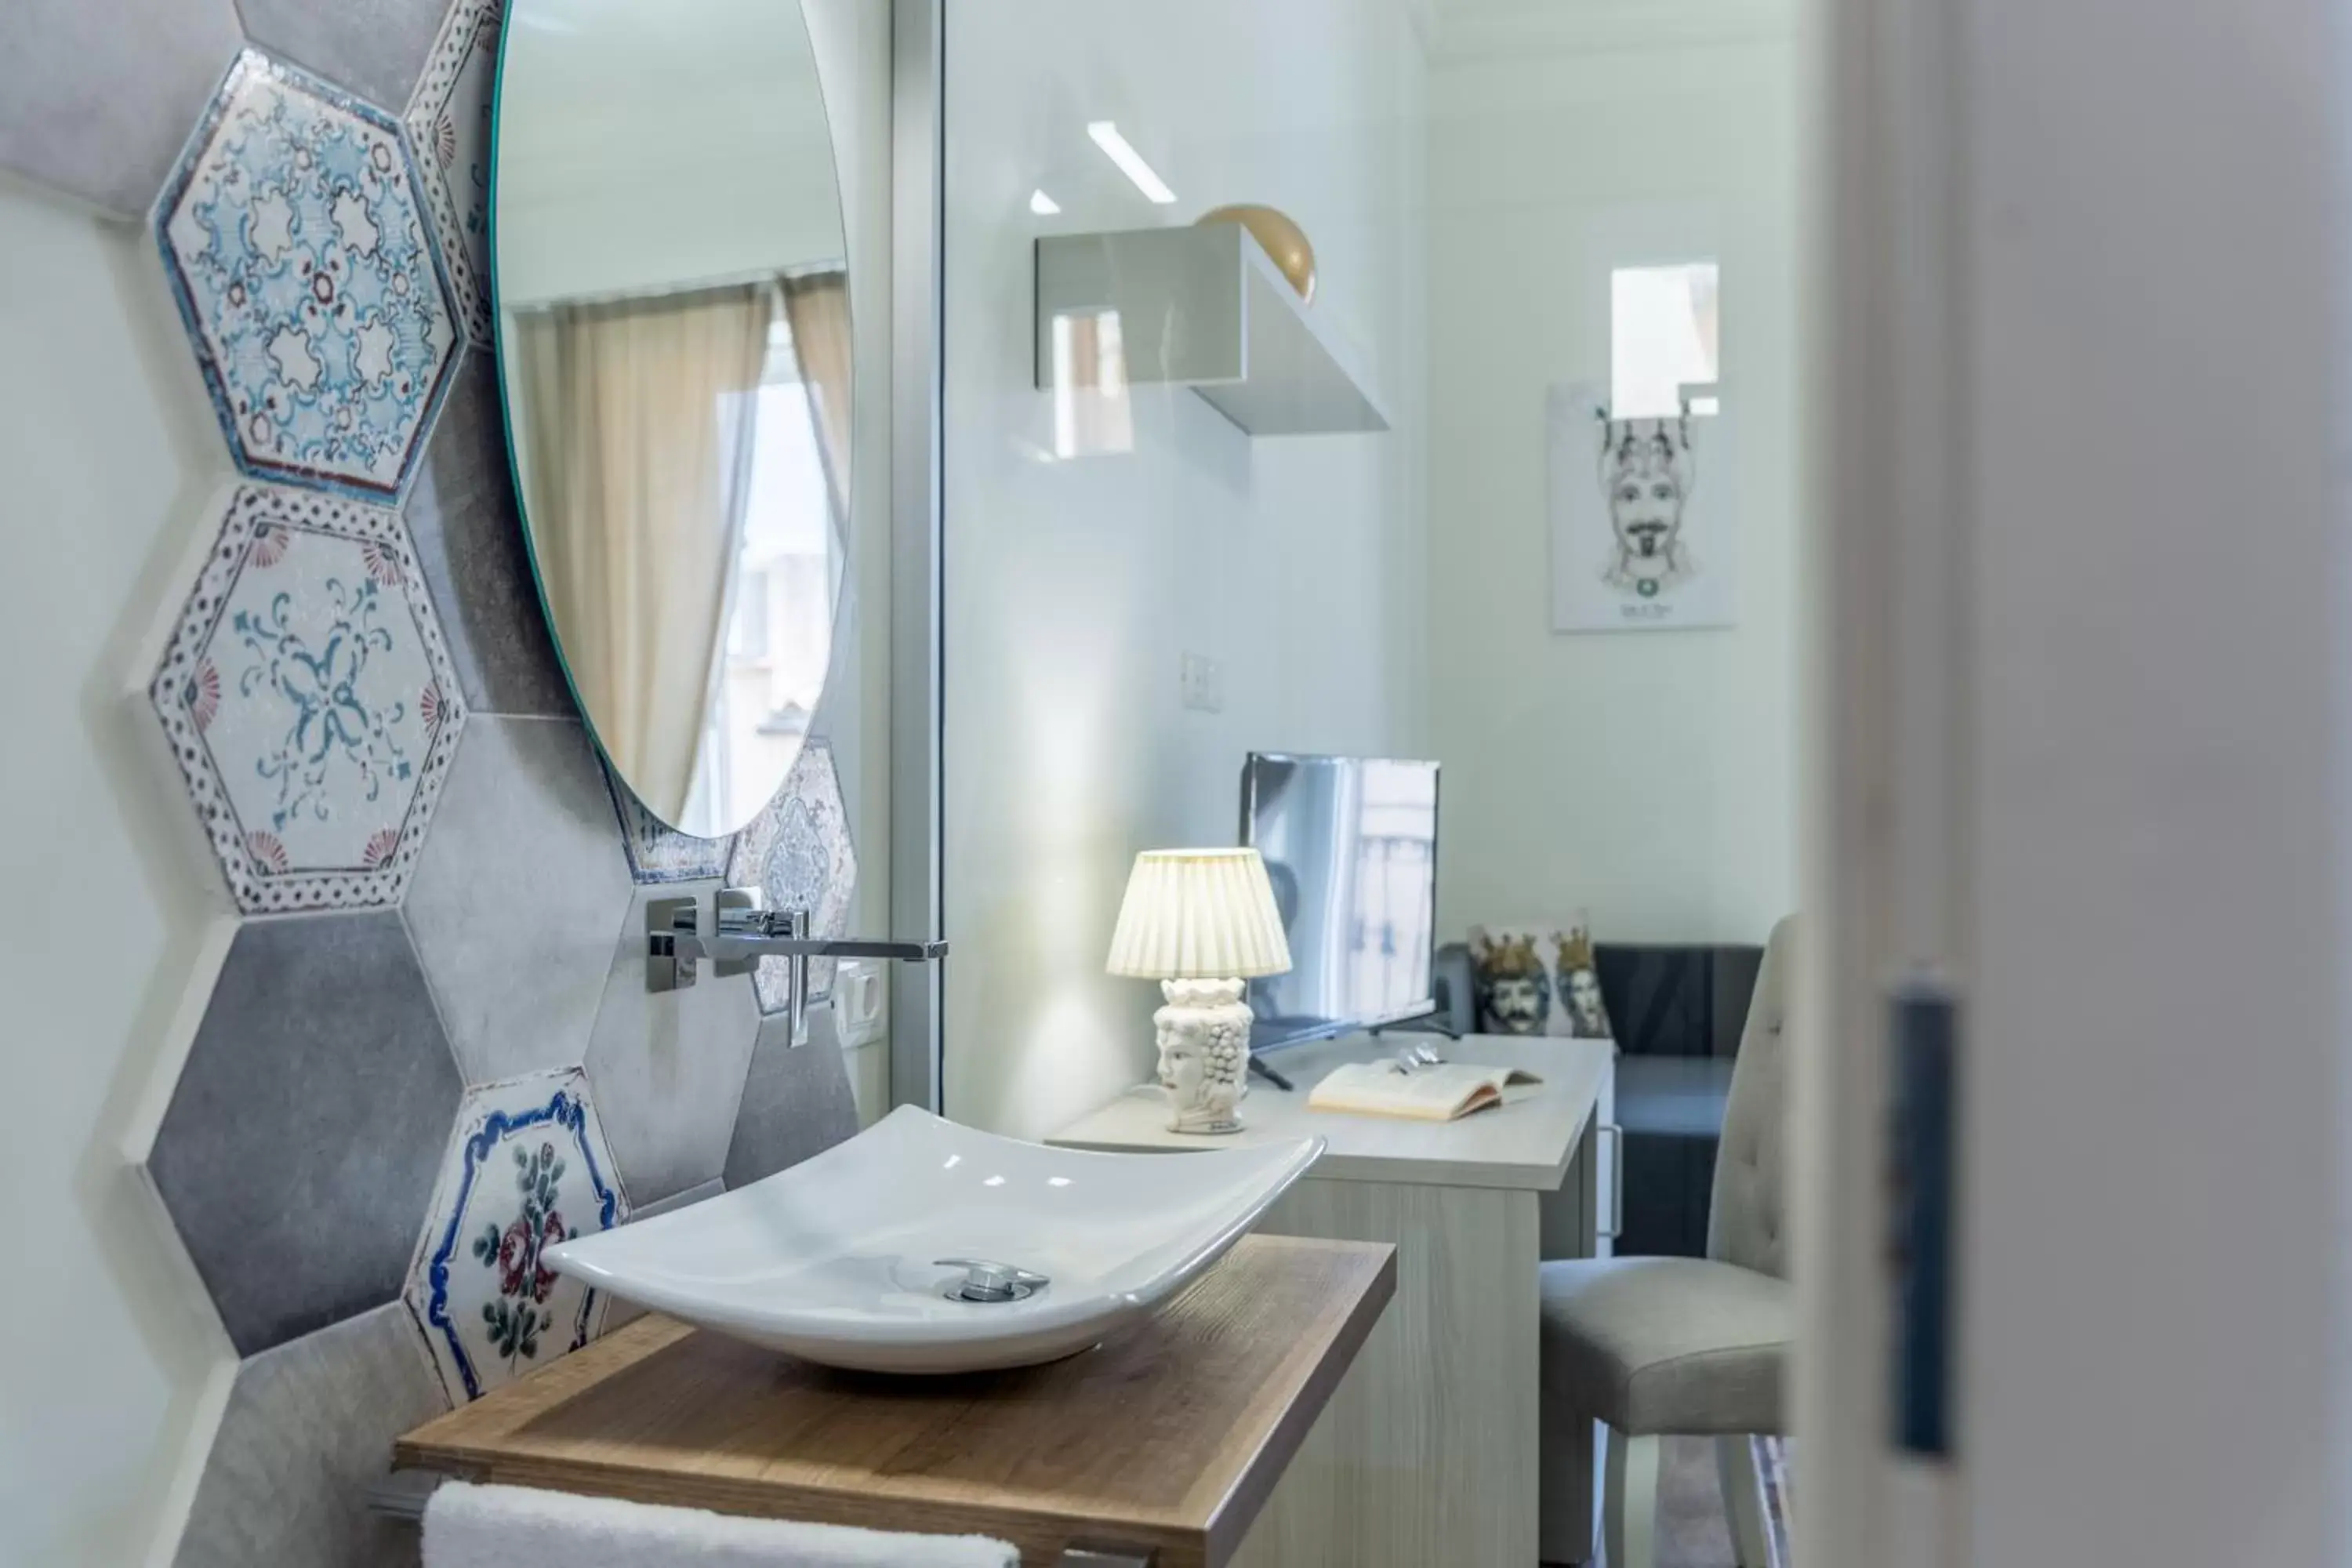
(1647, 778)
(1074, 587)
(108, 451)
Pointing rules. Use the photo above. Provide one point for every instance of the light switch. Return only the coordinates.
(1201, 681)
(860, 1003)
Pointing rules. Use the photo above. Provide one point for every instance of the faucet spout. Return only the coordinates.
(744, 931)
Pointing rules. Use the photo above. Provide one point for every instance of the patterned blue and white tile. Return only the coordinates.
(659, 852)
(311, 285)
(307, 697)
(798, 852)
(448, 123)
(526, 1167)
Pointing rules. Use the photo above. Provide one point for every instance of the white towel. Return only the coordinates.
(498, 1527)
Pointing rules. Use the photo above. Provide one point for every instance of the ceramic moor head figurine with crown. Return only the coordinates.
(1202, 922)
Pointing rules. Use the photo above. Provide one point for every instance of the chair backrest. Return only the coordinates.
(1677, 999)
(1748, 1222)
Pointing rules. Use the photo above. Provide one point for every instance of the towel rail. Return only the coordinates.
(402, 1495)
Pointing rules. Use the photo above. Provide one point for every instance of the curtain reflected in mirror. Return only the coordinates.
(636, 471)
(674, 445)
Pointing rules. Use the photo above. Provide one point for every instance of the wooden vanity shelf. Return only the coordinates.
(1161, 1445)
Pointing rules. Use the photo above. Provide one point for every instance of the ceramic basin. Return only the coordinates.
(838, 1260)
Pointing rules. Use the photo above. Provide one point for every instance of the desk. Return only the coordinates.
(1428, 1453)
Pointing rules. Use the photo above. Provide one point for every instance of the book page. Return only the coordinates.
(1428, 1093)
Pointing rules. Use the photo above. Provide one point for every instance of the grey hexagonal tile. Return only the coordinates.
(620, 1313)
(375, 47)
(310, 701)
(526, 1167)
(659, 852)
(308, 1429)
(96, 100)
(449, 122)
(519, 896)
(798, 851)
(303, 1136)
(668, 1066)
(461, 511)
(312, 289)
(796, 1102)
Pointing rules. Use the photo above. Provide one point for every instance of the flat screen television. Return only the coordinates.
(1351, 844)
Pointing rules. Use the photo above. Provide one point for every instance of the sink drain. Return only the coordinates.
(988, 1284)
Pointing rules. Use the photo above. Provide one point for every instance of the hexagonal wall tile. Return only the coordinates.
(309, 282)
(519, 896)
(799, 853)
(449, 122)
(658, 852)
(308, 1430)
(95, 101)
(527, 1167)
(461, 512)
(620, 1313)
(796, 1102)
(668, 1066)
(303, 1136)
(308, 699)
(374, 49)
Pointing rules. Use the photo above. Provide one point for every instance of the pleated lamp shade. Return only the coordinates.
(1199, 914)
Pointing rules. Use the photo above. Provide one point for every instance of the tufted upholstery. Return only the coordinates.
(1696, 1347)
(1684, 1344)
(1748, 1223)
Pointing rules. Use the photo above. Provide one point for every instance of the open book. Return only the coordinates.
(1438, 1093)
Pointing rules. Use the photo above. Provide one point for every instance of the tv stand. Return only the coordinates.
(1257, 1066)
(1427, 1023)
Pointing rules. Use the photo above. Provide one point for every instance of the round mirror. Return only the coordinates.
(674, 324)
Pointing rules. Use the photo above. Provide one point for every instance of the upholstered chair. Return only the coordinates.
(1688, 1346)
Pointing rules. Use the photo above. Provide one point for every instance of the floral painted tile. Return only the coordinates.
(309, 282)
(526, 1167)
(798, 851)
(309, 698)
(658, 852)
(448, 124)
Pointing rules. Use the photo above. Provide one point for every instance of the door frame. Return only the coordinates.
(917, 539)
(1888, 332)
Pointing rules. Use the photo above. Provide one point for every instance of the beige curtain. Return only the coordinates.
(817, 305)
(636, 469)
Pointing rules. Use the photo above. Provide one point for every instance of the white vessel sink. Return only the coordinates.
(839, 1260)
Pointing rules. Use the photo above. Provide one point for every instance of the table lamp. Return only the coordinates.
(1200, 921)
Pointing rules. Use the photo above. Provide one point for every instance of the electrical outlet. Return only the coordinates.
(861, 1002)
(1200, 682)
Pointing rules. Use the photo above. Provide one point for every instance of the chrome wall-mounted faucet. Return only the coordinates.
(745, 931)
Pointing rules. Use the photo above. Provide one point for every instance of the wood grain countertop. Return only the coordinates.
(1165, 1439)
